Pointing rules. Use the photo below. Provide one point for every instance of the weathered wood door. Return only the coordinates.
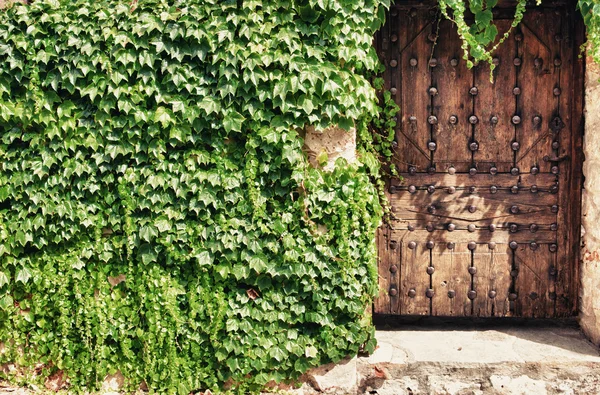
(485, 221)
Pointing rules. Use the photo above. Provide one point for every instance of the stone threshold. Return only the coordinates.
(428, 356)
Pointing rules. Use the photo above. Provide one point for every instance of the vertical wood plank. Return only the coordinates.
(534, 281)
(381, 303)
(451, 278)
(414, 279)
(496, 100)
(452, 81)
(492, 280)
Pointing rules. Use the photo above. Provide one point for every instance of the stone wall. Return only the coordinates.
(589, 303)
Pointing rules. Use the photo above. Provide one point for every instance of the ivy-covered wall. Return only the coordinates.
(157, 213)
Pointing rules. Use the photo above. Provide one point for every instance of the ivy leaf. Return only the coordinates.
(23, 275)
(3, 279)
(233, 121)
(204, 258)
(147, 253)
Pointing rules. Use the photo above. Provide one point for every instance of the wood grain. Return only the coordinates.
(492, 280)
(414, 263)
(451, 278)
(534, 281)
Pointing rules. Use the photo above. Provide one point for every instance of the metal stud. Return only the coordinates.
(556, 125)
(556, 91)
(492, 227)
(451, 227)
(472, 245)
(513, 245)
(554, 227)
(493, 170)
(514, 189)
(471, 228)
(537, 63)
(432, 37)
(413, 12)
(552, 295)
(516, 91)
(537, 120)
(533, 245)
(533, 228)
(514, 171)
(432, 119)
(474, 146)
(431, 209)
(430, 270)
(518, 36)
(516, 120)
(451, 190)
(412, 189)
(451, 294)
(429, 227)
(555, 145)
(453, 62)
(554, 209)
(450, 245)
(393, 91)
(534, 170)
(472, 294)
(557, 37)
(513, 228)
(393, 63)
(433, 62)
(557, 62)
(393, 244)
(433, 91)
(429, 293)
(394, 11)
(412, 293)
(517, 62)
(514, 273)
(412, 170)
(514, 209)
(393, 292)
(393, 268)
(493, 189)
(512, 296)
(554, 170)
(515, 146)
(473, 119)
(492, 245)
(412, 119)
(453, 119)
(494, 120)
(393, 189)
(496, 61)
(451, 170)
(413, 62)
(553, 247)
(492, 294)
(394, 38)
(473, 171)
(431, 189)
(432, 146)
(474, 91)
(533, 189)
(552, 271)
(472, 189)
(430, 244)
(411, 227)
(472, 209)
(554, 189)
(431, 169)
(412, 245)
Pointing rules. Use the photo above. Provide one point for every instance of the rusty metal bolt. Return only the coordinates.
(450, 245)
(451, 294)
(430, 293)
(432, 119)
(492, 294)
(393, 244)
(393, 268)
(557, 62)
(514, 189)
(553, 247)
(472, 189)
(533, 228)
(494, 120)
(533, 245)
(453, 119)
(413, 62)
(554, 227)
(516, 120)
(519, 36)
(472, 270)
(472, 209)
(471, 228)
(430, 270)
(514, 273)
(394, 38)
(493, 189)
(517, 62)
(412, 119)
(393, 189)
(557, 91)
(554, 170)
(451, 190)
(433, 91)
(431, 189)
(411, 227)
(534, 189)
(496, 61)
(513, 228)
(537, 120)
(393, 91)
(451, 227)
(429, 228)
(554, 208)
(513, 245)
(431, 170)
(554, 189)
(493, 170)
(433, 62)
(515, 171)
(555, 145)
(454, 62)
(472, 171)
(514, 209)
(393, 292)
(516, 91)
(473, 119)
(537, 62)
(512, 296)
(412, 245)
(412, 170)
(412, 293)
(515, 146)
(393, 63)
(474, 146)
(412, 189)
(451, 170)
(430, 244)
(431, 209)
(535, 170)
(492, 245)
(474, 91)
(432, 146)
(492, 227)
(472, 294)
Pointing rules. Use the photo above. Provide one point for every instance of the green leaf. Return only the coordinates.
(23, 275)
(3, 279)
(233, 121)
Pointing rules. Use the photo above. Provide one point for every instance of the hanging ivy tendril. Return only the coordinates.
(480, 39)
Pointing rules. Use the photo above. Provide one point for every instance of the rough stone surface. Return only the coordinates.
(334, 378)
(589, 302)
(335, 142)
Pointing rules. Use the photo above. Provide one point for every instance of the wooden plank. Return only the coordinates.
(381, 304)
(480, 236)
(496, 100)
(483, 200)
(480, 180)
(534, 281)
(492, 280)
(452, 82)
(536, 82)
(451, 280)
(414, 277)
(413, 136)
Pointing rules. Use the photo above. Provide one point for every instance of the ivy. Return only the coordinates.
(157, 214)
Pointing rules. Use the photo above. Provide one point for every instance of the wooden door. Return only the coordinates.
(485, 220)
